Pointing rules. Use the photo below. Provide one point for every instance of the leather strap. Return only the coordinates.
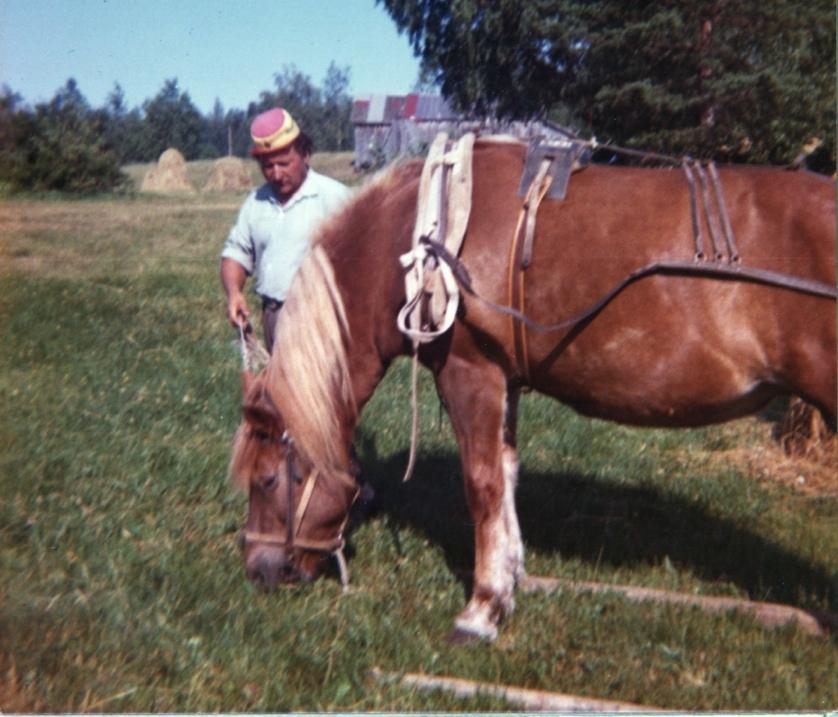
(766, 277)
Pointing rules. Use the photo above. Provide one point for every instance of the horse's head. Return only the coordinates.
(296, 516)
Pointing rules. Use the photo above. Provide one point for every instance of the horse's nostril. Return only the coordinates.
(264, 572)
(287, 572)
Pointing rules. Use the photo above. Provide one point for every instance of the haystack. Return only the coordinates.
(803, 431)
(168, 175)
(228, 174)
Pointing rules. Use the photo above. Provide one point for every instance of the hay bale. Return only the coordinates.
(803, 431)
(228, 174)
(168, 175)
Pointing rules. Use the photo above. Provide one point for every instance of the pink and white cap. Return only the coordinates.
(272, 130)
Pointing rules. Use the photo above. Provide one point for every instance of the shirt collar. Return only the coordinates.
(307, 189)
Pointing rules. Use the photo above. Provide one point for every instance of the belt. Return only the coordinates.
(271, 304)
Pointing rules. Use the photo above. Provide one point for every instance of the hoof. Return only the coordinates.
(470, 631)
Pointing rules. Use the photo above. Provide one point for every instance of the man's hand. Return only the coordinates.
(233, 277)
(237, 310)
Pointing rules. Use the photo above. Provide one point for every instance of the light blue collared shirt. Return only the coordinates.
(270, 240)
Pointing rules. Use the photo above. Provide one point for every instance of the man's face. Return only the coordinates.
(285, 170)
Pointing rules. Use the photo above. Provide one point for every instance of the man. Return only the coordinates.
(277, 221)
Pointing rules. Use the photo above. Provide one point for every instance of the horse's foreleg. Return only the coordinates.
(483, 413)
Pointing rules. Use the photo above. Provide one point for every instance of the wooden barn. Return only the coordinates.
(387, 126)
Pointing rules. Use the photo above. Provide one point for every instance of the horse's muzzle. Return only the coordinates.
(270, 567)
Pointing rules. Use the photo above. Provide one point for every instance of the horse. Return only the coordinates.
(668, 350)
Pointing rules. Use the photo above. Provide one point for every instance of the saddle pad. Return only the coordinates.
(443, 209)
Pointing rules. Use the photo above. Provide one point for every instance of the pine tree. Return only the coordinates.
(738, 80)
(172, 121)
(62, 146)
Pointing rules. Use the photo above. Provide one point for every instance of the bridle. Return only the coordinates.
(294, 518)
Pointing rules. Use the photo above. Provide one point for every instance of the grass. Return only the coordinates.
(121, 588)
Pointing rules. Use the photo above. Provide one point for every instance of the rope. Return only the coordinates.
(254, 356)
(414, 412)
(342, 569)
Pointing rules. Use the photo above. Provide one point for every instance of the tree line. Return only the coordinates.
(735, 80)
(732, 80)
(67, 145)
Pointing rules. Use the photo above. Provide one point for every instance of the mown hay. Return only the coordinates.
(803, 431)
(228, 174)
(169, 175)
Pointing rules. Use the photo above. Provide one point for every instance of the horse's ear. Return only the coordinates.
(257, 407)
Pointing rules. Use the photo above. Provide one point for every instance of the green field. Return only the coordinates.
(122, 590)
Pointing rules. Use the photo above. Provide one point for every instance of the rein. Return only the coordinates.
(671, 267)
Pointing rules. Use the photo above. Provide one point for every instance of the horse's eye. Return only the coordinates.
(261, 436)
(269, 482)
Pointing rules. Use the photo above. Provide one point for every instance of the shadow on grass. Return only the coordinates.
(597, 521)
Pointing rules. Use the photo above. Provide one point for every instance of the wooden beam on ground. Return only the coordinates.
(771, 615)
(532, 700)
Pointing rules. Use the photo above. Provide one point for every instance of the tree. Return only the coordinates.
(239, 123)
(337, 109)
(60, 146)
(124, 128)
(743, 81)
(172, 120)
(214, 143)
(297, 94)
(324, 113)
(11, 132)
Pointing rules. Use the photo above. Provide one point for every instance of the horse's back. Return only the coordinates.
(668, 350)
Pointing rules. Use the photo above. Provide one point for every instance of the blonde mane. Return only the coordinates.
(308, 374)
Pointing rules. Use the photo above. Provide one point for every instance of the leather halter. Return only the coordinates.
(294, 518)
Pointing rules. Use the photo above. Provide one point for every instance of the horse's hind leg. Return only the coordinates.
(483, 413)
(810, 370)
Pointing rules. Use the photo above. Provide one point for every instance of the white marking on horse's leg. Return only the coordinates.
(511, 466)
(478, 619)
(515, 546)
(503, 551)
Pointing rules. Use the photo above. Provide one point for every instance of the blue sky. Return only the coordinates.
(225, 49)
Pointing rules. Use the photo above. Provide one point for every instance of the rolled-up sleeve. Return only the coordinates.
(239, 243)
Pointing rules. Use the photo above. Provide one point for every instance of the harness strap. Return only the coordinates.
(520, 257)
(712, 223)
(302, 506)
(442, 214)
(675, 267)
(733, 252)
(320, 546)
(540, 186)
(698, 237)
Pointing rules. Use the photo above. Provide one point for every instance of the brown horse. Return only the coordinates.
(668, 350)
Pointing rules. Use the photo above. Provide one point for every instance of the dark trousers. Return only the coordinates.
(270, 312)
